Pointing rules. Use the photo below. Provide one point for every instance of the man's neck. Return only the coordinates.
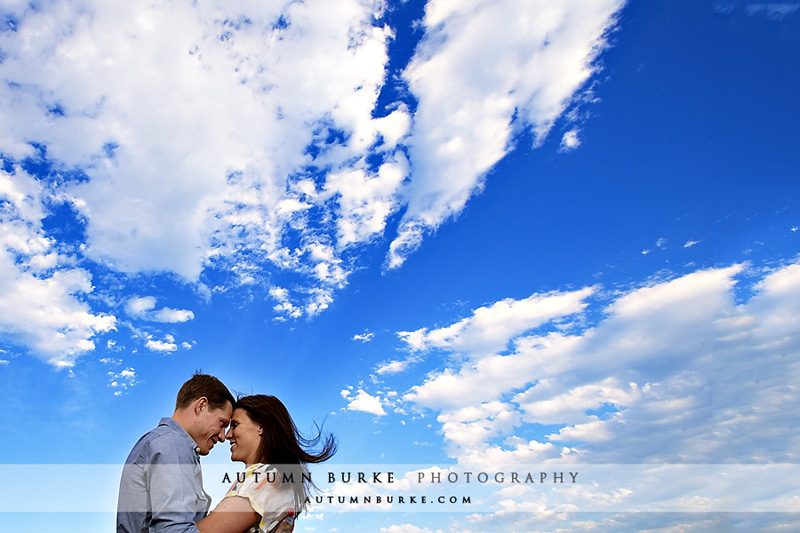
(183, 420)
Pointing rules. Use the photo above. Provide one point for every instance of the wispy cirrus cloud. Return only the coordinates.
(515, 65)
(756, 8)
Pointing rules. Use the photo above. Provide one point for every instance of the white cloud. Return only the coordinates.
(366, 201)
(772, 10)
(674, 372)
(161, 346)
(247, 140)
(139, 307)
(143, 308)
(122, 381)
(690, 243)
(491, 328)
(366, 403)
(363, 337)
(43, 306)
(407, 528)
(692, 370)
(475, 425)
(570, 407)
(529, 70)
(570, 140)
(395, 367)
(284, 306)
(531, 518)
(194, 122)
(173, 315)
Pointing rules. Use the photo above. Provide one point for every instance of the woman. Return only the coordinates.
(276, 481)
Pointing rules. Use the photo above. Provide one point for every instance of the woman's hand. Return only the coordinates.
(233, 515)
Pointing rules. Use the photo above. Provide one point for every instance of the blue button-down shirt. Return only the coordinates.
(162, 484)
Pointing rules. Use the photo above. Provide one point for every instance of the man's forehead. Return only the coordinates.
(223, 412)
(227, 411)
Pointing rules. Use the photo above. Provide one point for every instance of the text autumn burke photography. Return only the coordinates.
(430, 478)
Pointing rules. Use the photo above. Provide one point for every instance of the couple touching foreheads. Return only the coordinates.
(162, 483)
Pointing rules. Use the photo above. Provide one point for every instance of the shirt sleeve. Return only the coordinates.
(132, 504)
(268, 496)
(174, 495)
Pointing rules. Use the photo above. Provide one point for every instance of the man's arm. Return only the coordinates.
(132, 503)
(175, 494)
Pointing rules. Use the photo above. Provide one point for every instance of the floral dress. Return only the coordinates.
(268, 496)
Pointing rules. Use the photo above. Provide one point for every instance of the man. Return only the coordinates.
(162, 483)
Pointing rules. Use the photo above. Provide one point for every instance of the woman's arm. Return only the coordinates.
(234, 514)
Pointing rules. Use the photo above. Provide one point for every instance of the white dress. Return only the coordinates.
(269, 497)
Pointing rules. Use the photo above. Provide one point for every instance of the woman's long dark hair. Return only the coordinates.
(282, 445)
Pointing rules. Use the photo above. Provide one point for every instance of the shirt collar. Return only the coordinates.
(177, 428)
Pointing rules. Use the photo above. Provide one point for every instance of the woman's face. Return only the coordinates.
(244, 436)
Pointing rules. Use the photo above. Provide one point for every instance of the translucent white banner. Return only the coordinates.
(446, 488)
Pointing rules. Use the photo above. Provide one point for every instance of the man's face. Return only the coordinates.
(210, 426)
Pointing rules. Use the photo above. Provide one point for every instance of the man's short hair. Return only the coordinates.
(200, 385)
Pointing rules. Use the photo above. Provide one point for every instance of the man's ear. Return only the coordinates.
(199, 404)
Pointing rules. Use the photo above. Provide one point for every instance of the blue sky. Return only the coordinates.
(456, 232)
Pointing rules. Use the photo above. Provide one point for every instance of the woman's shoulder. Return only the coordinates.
(265, 473)
(261, 468)
(262, 476)
(268, 495)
